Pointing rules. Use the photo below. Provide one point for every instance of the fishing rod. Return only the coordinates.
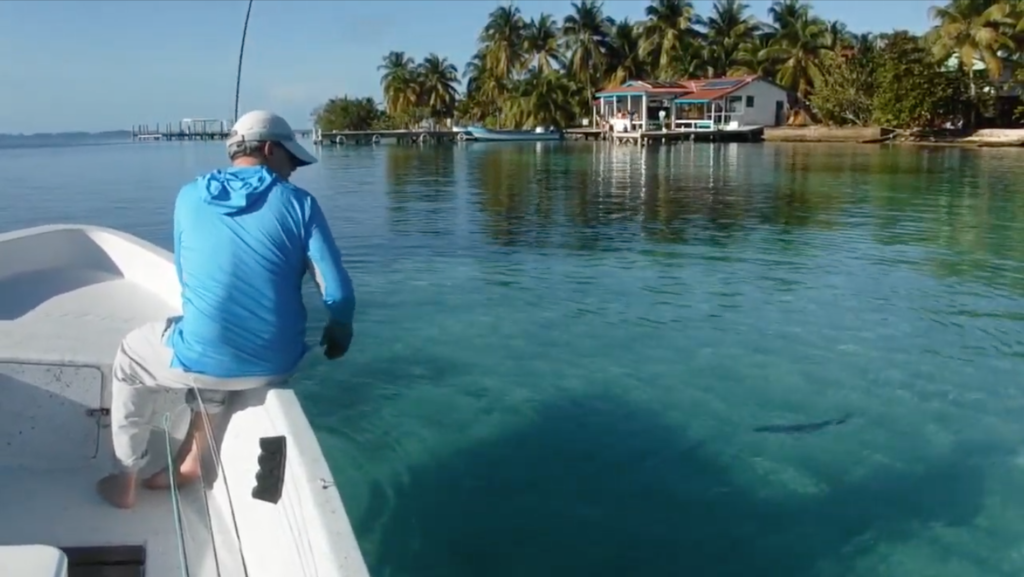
(205, 416)
(241, 54)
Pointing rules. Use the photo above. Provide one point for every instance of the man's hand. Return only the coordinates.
(336, 339)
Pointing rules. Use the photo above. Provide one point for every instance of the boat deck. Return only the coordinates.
(60, 507)
(115, 307)
(59, 331)
(68, 295)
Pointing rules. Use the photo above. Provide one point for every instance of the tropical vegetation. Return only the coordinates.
(539, 71)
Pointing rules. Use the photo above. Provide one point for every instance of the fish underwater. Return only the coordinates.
(802, 428)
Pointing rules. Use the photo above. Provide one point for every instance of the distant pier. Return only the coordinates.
(191, 129)
(186, 129)
(207, 129)
(343, 137)
(586, 133)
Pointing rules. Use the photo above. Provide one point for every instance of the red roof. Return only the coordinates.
(647, 87)
(717, 88)
(698, 89)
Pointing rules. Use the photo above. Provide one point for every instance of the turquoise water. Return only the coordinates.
(562, 351)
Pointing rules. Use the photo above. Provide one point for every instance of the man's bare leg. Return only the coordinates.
(118, 489)
(188, 460)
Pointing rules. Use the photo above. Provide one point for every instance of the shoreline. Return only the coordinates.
(984, 138)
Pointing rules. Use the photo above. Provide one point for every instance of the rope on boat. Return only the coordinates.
(210, 441)
(175, 498)
(206, 502)
(181, 529)
(290, 513)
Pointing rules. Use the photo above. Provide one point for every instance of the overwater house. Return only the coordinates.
(692, 105)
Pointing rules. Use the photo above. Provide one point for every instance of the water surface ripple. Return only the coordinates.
(562, 351)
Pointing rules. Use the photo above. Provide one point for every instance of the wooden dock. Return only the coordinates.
(202, 129)
(183, 130)
(640, 138)
(377, 136)
(647, 137)
(586, 133)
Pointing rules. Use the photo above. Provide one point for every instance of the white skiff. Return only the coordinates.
(68, 294)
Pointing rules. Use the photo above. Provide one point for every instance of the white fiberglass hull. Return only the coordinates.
(485, 135)
(68, 294)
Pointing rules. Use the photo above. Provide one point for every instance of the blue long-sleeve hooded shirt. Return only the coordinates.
(243, 240)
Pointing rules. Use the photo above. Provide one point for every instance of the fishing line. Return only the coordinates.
(215, 453)
(172, 473)
(241, 54)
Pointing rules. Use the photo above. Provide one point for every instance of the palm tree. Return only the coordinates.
(1014, 28)
(784, 14)
(975, 31)
(668, 34)
(536, 70)
(483, 92)
(752, 57)
(585, 38)
(475, 72)
(502, 40)
(838, 36)
(543, 99)
(800, 44)
(865, 44)
(541, 43)
(729, 30)
(438, 80)
(400, 83)
(624, 60)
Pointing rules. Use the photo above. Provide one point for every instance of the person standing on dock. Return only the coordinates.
(244, 237)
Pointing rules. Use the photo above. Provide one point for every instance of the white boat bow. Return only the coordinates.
(68, 294)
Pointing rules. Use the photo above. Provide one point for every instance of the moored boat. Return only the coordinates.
(540, 134)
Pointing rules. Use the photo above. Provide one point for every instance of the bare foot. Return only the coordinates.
(161, 480)
(118, 490)
(187, 461)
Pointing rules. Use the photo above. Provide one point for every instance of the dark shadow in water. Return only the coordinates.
(597, 487)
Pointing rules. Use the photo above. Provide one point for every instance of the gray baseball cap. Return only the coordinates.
(261, 126)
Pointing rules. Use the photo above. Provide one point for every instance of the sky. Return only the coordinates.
(108, 64)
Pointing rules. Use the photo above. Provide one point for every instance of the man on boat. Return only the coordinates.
(244, 237)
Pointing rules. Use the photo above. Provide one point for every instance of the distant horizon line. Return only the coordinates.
(62, 133)
(66, 133)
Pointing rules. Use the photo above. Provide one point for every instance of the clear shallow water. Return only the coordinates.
(562, 350)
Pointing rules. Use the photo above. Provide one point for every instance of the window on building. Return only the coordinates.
(750, 101)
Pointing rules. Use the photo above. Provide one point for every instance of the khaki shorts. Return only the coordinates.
(142, 371)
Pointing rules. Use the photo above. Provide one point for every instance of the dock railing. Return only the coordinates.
(183, 130)
(193, 130)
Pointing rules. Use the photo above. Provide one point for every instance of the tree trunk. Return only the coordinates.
(974, 101)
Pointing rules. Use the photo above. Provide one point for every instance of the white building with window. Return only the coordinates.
(710, 104)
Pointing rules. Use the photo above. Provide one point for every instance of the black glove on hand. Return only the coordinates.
(336, 339)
